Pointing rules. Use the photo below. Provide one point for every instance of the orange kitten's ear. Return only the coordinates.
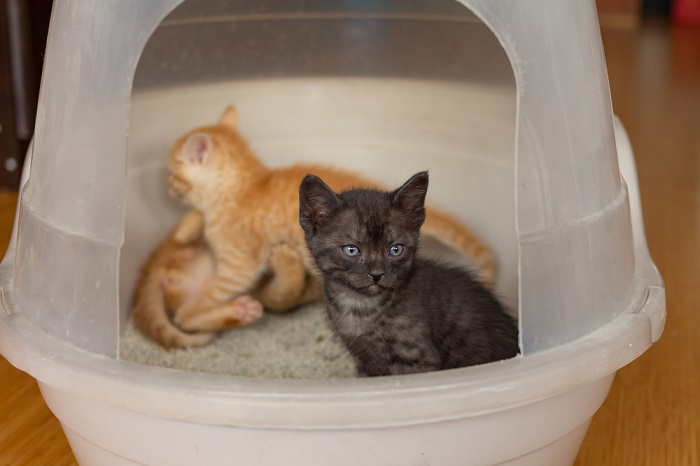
(229, 117)
(196, 149)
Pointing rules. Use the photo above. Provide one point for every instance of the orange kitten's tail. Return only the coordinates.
(151, 316)
(450, 231)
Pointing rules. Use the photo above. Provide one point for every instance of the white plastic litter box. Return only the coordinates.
(506, 103)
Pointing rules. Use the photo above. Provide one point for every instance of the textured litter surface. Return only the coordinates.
(296, 345)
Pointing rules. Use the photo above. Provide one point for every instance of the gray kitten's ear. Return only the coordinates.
(316, 202)
(196, 149)
(410, 197)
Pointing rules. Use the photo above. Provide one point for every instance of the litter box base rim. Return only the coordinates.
(306, 404)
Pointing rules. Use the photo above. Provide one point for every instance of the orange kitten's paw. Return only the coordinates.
(244, 311)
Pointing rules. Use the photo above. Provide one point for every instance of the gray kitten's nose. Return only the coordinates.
(376, 276)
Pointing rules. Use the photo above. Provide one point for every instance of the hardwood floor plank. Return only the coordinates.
(29, 433)
(652, 415)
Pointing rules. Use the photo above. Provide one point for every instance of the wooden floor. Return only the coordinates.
(652, 416)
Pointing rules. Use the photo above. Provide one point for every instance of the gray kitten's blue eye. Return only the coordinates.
(396, 250)
(351, 250)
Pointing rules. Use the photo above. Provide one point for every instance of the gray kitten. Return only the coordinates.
(397, 313)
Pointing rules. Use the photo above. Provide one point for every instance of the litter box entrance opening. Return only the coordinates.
(382, 89)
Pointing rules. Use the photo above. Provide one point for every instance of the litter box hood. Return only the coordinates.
(588, 295)
(572, 205)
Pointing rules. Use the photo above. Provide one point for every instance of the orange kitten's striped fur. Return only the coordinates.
(250, 216)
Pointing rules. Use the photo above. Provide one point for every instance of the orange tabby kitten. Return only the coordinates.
(248, 212)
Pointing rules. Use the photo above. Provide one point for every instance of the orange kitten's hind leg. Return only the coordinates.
(174, 273)
(288, 286)
(175, 292)
(151, 318)
(240, 312)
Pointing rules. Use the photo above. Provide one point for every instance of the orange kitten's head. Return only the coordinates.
(208, 161)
